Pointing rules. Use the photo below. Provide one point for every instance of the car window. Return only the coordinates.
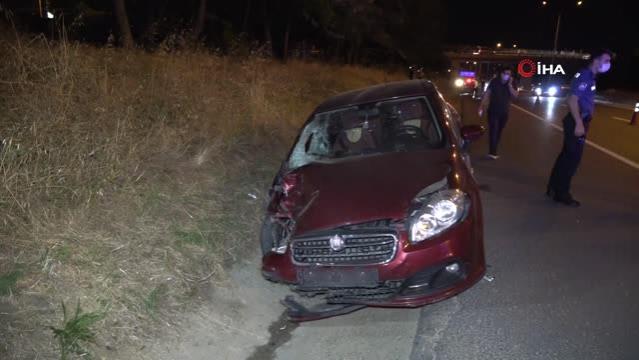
(398, 125)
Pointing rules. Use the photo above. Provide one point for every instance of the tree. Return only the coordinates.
(415, 30)
(155, 12)
(287, 35)
(360, 22)
(247, 15)
(198, 25)
(287, 32)
(268, 35)
(294, 11)
(124, 29)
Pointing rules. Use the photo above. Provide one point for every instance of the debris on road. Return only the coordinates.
(297, 312)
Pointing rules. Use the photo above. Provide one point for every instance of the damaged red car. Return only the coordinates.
(376, 204)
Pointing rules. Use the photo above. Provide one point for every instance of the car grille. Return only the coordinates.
(358, 249)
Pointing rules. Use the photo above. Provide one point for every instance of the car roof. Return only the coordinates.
(386, 91)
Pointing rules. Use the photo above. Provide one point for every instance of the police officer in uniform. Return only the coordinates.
(581, 102)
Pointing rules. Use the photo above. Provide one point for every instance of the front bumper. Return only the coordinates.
(418, 274)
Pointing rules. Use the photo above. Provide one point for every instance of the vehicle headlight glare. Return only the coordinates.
(438, 212)
(552, 91)
(538, 91)
(424, 226)
(444, 211)
(459, 82)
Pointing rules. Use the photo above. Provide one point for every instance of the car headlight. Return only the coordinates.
(538, 91)
(552, 91)
(459, 82)
(438, 212)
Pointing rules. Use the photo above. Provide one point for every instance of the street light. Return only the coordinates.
(561, 10)
(515, 46)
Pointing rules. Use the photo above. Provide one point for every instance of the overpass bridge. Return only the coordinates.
(479, 53)
(484, 61)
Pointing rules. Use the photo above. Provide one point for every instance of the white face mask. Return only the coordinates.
(604, 67)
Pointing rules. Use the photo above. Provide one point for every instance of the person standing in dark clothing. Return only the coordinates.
(497, 98)
(581, 102)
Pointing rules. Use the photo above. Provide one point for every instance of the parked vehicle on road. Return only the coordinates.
(376, 204)
(467, 82)
(550, 86)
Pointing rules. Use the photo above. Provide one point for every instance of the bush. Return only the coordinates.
(127, 172)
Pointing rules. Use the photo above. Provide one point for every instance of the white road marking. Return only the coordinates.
(621, 119)
(614, 105)
(596, 146)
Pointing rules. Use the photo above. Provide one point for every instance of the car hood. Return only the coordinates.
(368, 188)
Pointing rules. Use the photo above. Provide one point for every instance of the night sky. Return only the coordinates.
(529, 24)
(596, 23)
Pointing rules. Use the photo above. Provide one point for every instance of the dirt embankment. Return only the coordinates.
(131, 182)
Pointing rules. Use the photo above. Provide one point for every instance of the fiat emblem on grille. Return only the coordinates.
(337, 243)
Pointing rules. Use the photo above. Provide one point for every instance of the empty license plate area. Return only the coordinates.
(317, 277)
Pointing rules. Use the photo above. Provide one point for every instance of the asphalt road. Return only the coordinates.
(564, 280)
(610, 126)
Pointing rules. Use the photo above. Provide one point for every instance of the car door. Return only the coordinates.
(456, 125)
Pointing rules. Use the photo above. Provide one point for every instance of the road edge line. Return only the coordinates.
(621, 119)
(614, 105)
(596, 146)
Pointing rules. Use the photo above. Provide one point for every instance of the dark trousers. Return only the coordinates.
(568, 159)
(496, 123)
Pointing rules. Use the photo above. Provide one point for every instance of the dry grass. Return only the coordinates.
(128, 180)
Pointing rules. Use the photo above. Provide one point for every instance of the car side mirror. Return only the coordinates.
(472, 132)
